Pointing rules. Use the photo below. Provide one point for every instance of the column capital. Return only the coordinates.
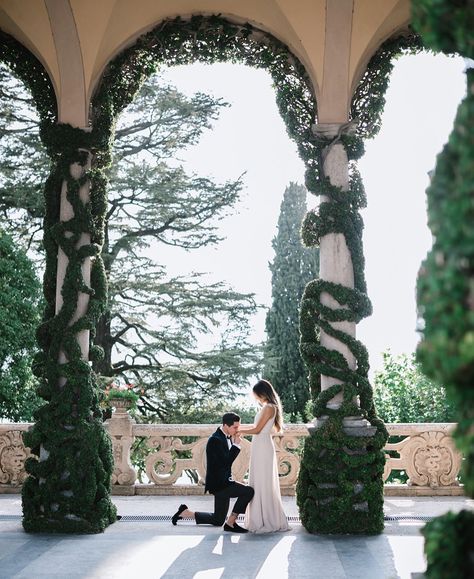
(330, 130)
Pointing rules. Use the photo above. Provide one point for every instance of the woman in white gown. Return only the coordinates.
(265, 512)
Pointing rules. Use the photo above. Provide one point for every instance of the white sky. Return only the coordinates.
(250, 137)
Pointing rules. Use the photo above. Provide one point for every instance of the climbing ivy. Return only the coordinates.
(68, 488)
(340, 487)
(446, 282)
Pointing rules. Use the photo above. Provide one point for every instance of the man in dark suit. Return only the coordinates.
(222, 449)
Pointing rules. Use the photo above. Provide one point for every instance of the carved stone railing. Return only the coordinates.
(164, 467)
(425, 452)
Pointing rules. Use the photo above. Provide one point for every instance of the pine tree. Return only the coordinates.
(20, 297)
(292, 268)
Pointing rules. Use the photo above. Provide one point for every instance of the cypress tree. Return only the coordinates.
(292, 268)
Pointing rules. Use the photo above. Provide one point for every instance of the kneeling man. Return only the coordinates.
(222, 449)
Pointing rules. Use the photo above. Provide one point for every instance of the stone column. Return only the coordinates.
(67, 212)
(336, 266)
(335, 263)
(73, 109)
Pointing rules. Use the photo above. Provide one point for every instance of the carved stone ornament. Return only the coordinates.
(431, 460)
(288, 461)
(12, 458)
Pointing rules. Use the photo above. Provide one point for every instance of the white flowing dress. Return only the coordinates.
(265, 512)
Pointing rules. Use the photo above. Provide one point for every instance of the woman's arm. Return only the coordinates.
(267, 413)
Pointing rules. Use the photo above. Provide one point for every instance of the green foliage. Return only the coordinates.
(402, 393)
(445, 26)
(449, 546)
(292, 268)
(123, 394)
(19, 316)
(445, 293)
(445, 282)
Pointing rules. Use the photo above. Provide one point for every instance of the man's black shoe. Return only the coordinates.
(235, 528)
(175, 518)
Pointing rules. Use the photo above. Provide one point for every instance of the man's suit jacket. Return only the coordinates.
(219, 462)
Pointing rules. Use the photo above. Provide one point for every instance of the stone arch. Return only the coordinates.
(268, 34)
(209, 39)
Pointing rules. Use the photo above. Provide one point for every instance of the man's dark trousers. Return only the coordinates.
(244, 495)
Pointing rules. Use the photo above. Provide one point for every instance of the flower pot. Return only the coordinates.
(121, 405)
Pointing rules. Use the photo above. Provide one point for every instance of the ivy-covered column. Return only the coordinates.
(79, 173)
(69, 483)
(340, 487)
(335, 263)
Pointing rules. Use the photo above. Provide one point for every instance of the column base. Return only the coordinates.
(340, 483)
(351, 425)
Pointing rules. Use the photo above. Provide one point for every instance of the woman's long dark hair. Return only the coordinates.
(264, 390)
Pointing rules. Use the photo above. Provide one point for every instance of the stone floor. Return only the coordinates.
(155, 549)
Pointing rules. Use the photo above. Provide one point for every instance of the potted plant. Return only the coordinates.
(121, 396)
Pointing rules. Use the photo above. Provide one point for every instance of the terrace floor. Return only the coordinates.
(141, 545)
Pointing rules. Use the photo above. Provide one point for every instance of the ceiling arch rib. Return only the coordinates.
(72, 105)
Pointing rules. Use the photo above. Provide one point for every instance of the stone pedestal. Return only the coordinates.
(120, 428)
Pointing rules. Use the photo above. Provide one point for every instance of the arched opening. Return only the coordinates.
(416, 122)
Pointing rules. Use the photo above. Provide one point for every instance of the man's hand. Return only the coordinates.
(237, 438)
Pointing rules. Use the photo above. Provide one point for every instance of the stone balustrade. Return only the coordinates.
(173, 457)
